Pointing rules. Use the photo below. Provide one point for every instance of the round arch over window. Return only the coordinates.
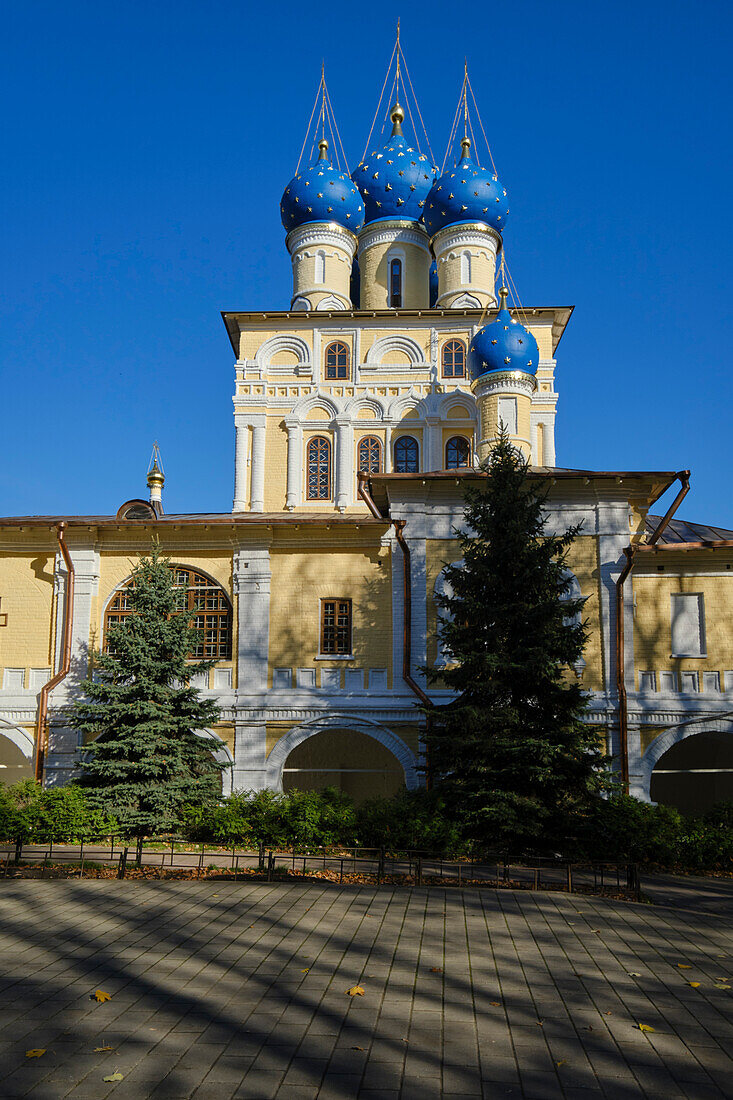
(454, 359)
(457, 453)
(319, 468)
(370, 455)
(337, 360)
(406, 455)
(197, 595)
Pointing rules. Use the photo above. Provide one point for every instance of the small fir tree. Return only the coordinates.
(145, 762)
(512, 751)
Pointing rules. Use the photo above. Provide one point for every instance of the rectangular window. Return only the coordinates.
(647, 681)
(336, 627)
(688, 625)
(508, 414)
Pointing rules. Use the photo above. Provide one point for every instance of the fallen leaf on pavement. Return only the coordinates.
(114, 1077)
(35, 1053)
(98, 1050)
(560, 1063)
(355, 991)
(609, 1013)
(694, 985)
(100, 996)
(643, 1027)
(633, 974)
(495, 1004)
(721, 985)
(684, 966)
(596, 930)
(540, 1023)
(305, 971)
(358, 1048)
(436, 969)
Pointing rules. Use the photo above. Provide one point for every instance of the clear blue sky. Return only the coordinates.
(145, 148)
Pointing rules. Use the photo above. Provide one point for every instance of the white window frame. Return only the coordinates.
(688, 596)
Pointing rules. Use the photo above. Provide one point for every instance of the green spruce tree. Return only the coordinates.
(512, 751)
(138, 716)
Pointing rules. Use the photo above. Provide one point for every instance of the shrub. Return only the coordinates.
(31, 812)
(410, 820)
(298, 819)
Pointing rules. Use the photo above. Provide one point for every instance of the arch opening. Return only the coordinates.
(349, 760)
(696, 773)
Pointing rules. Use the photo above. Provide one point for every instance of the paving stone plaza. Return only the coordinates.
(221, 989)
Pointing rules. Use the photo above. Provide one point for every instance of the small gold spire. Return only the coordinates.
(503, 295)
(397, 115)
(323, 149)
(465, 147)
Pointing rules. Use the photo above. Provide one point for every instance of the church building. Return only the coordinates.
(363, 404)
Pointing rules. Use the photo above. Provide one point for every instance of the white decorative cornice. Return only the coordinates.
(510, 381)
(315, 233)
(393, 233)
(476, 233)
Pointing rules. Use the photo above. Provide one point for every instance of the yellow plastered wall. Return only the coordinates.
(252, 339)
(374, 269)
(276, 458)
(652, 616)
(301, 579)
(421, 337)
(26, 606)
(481, 286)
(582, 560)
(489, 414)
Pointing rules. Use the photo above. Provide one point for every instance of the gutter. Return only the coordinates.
(41, 730)
(630, 553)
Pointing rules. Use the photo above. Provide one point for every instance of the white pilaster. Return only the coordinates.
(295, 463)
(241, 454)
(345, 462)
(250, 750)
(251, 577)
(433, 444)
(258, 463)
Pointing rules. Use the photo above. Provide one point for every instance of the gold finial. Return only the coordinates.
(503, 295)
(323, 149)
(465, 147)
(397, 115)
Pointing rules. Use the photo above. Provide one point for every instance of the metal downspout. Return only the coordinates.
(630, 552)
(41, 731)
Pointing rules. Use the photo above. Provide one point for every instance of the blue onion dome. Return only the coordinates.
(394, 183)
(322, 194)
(504, 345)
(468, 193)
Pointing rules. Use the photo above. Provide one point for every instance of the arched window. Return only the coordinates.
(406, 455)
(337, 360)
(395, 283)
(320, 267)
(454, 359)
(465, 267)
(319, 468)
(196, 595)
(370, 455)
(457, 453)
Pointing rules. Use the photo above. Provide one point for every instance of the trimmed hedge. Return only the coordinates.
(30, 812)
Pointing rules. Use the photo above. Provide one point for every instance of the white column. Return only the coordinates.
(258, 463)
(252, 575)
(433, 444)
(241, 448)
(295, 463)
(345, 463)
